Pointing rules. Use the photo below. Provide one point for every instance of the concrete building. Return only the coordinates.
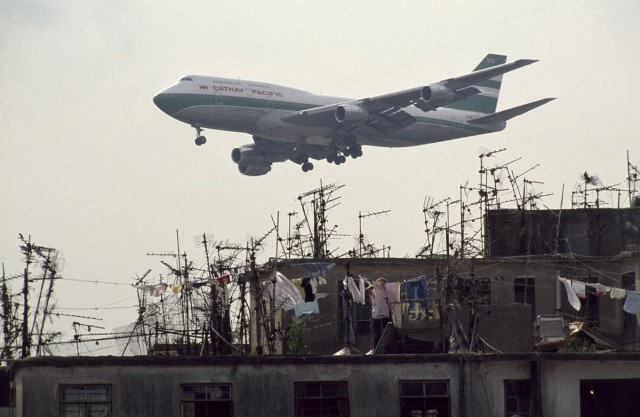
(492, 341)
(454, 385)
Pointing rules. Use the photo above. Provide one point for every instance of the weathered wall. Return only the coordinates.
(593, 232)
(258, 389)
(560, 381)
(150, 387)
(324, 337)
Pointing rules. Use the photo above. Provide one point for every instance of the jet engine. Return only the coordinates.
(247, 155)
(256, 159)
(254, 170)
(437, 95)
(351, 113)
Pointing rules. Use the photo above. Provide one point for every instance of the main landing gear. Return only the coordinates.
(354, 151)
(200, 140)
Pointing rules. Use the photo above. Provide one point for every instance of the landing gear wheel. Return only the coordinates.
(307, 166)
(355, 151)
(340, 159)
(200, 140)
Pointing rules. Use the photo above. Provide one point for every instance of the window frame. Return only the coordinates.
(207, 385)
(425, 397)
(324, 402)
(519, 399)
(65, 403)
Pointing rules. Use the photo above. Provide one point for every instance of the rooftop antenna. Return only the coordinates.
(361, 243)
(322, 201)
(589, 180)
(633, 176)
(431, 210)
(76, 335)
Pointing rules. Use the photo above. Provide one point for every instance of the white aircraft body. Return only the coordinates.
(291, 124)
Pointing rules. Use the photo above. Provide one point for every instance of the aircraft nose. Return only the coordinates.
(163, 101)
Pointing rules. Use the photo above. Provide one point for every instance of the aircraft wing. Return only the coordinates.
(384, 114)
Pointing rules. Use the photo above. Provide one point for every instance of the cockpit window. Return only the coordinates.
(186, 79)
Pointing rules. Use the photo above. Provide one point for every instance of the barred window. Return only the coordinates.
(206, 400)
(85, 401)
(425, 398)
(316, 399)
(517, 398)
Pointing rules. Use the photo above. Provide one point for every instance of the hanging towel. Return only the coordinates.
(571, 293)
(618, 293)
(356, 292)
(632, 302)
(580, 288)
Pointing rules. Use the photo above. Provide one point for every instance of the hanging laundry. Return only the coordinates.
(224, 279)
(316, 269)
(154, 290)
(357, 291)
(307, 308)
(308, 290)
(286, 293)
(571, 293)
(298, 283)
(580, 288)
(199, 284)
(632, 302)
(382, 294)
(176, 288)
(618, 293)
(599, 288)
(416, 291)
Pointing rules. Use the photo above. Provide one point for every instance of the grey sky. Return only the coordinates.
(90, 166)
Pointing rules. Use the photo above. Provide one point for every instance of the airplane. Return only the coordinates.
(291, 124)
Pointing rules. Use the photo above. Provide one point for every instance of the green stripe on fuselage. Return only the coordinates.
(174, 103)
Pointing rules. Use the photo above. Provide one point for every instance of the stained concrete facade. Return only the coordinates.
(325, 336)
(264, 385)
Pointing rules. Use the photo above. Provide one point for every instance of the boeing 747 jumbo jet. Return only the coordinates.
(295, 125)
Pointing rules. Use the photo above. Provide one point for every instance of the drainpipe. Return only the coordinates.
(461, 389)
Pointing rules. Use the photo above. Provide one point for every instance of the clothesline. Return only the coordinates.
(577, 289)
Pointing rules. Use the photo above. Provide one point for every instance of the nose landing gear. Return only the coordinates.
(200, 140)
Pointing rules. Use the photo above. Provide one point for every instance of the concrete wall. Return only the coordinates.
(263, 386)
(323, 331)
(593, 232)
(258, 389)
(560, 381)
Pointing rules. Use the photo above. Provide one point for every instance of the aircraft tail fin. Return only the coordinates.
(487, 101)
(504, 115)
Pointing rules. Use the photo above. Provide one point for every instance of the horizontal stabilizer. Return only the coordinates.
(503, 116)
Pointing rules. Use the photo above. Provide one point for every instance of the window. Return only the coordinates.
(85, 401)
(315, 399)
(517, 398)
(609, 397)
(206, 400)
(473, 291)
(524, 292)
(424, 398)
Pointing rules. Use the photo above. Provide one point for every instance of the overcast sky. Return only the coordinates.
(89, 166)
